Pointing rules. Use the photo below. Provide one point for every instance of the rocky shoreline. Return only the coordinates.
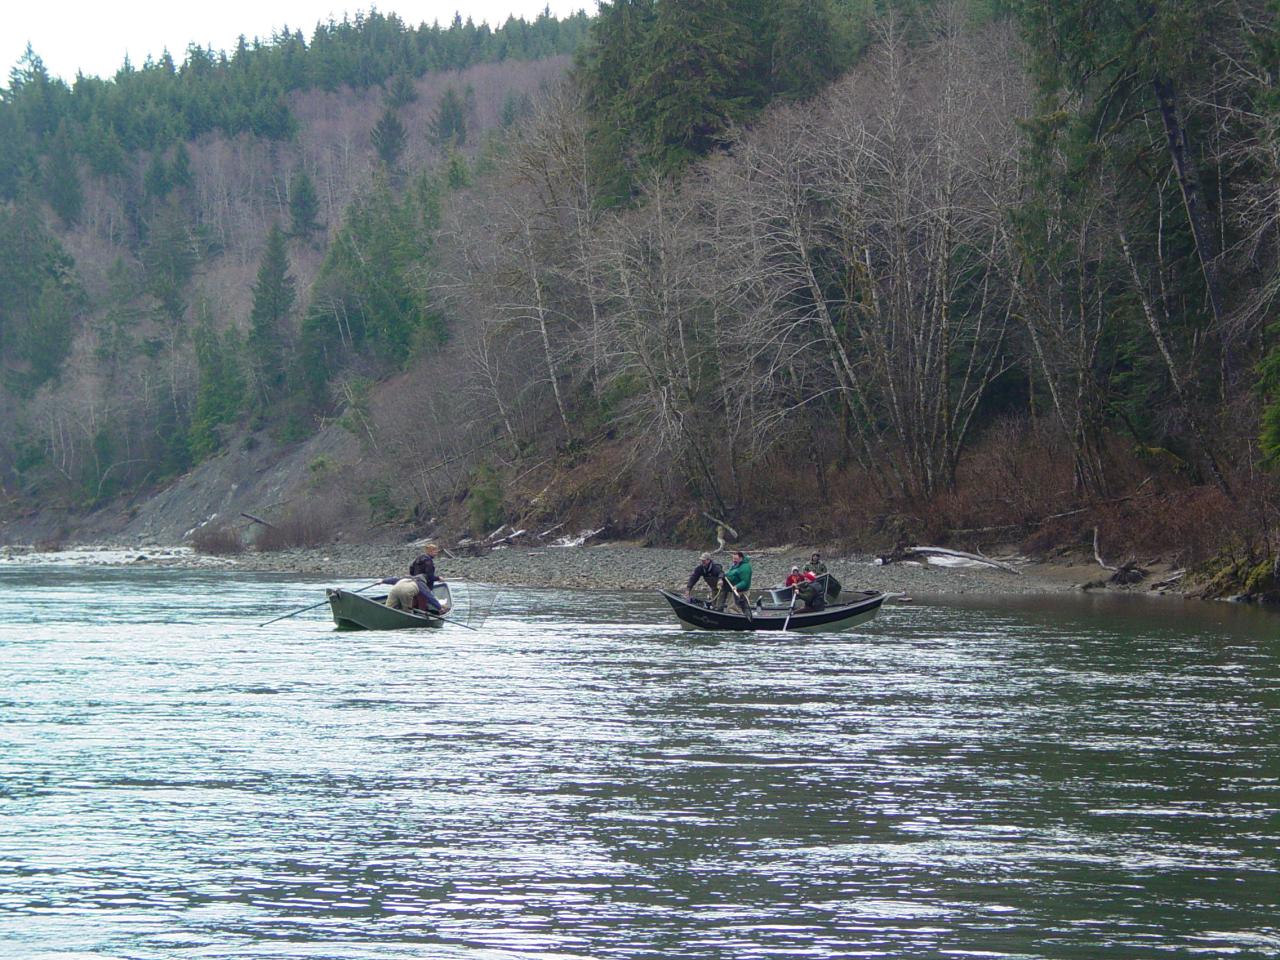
(629, 567)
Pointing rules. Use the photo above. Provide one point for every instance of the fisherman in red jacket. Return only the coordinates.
(797, 577)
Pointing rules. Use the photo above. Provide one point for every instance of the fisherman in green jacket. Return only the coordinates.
(736, 583)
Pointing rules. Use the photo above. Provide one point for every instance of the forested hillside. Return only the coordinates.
(171, 235)
(976, 271)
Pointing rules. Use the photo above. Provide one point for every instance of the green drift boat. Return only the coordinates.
(352, 611)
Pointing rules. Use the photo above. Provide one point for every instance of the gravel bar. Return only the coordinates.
(624, 567)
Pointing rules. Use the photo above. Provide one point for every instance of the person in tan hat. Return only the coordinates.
(708, 570)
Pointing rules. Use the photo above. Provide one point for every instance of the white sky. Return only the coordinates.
(92, 36)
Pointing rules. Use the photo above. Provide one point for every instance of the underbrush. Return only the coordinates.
(217, 541)
(1015, 490)
(300, 528)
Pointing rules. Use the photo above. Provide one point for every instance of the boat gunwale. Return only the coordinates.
(834, 616)
(377, 605)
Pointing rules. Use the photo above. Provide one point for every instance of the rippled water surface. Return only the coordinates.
(579, 778)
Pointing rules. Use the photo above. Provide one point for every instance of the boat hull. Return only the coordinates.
(697, 616)
(351, 611)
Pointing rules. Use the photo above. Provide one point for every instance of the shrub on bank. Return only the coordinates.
(299, 529)
(217, 541)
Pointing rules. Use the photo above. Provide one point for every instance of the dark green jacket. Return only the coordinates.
(740, 574)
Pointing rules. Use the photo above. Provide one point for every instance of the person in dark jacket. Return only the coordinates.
(708, 570)
(815, 565)
(425, 564)
(423, 570)
(813, 594)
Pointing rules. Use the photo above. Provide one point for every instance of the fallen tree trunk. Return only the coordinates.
(1097, 554)
(917, 552)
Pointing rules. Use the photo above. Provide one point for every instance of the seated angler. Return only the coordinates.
(796, 577)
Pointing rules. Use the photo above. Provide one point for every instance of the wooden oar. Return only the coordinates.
(794, 593)
(745, 606)
(285, 616)
(458, 623)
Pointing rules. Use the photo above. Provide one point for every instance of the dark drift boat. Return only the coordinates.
(354, 611)
(771, 612)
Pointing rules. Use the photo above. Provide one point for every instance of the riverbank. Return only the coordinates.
(622, 567)
(607, 566)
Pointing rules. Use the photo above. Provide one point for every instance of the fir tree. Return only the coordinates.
(273, 297)
(41, 299)
(62, 180)
(388, 138)
(180, 177)
(609, 69)
(303, 206)
(803, 55)
(170, 260)
(515, 107)
(400, 91)
(156, 179)
(449, 126)
(695, 83)
(220, 391)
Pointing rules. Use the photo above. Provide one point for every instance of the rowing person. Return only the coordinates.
(736, 582)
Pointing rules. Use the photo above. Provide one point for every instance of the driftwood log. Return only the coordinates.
(721, 529)
(1127, 573)
(905, 552)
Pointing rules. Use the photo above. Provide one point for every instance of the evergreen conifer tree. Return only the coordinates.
(273, 297)
(180, 176)
(220, 390)
(400, 91)
(303, 205)
(62, 180)
(156, 179)
(608, 68)
(449, 127)
(388, 138)
(695, 83)
(170, 259)
(41, 299)
(803, 54)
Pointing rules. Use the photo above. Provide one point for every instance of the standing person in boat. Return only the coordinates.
(423, 571)
(708, 570)
(736, 583)
(815, 565)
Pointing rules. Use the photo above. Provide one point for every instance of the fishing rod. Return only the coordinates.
(285, 616)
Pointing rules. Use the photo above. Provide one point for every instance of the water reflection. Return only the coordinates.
(582, 778)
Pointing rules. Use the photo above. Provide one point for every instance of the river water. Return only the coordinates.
(580, 778)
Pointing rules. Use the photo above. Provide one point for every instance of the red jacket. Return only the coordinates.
(794, 578)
